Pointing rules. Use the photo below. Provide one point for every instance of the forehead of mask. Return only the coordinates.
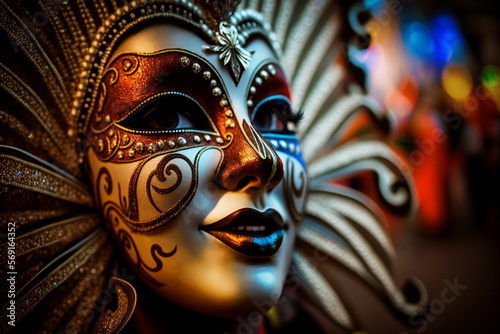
(162, 46)
(169, 35)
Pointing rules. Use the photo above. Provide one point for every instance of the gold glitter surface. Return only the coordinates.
(17, 199)
(42, 290)
(48, 241)
(23, 277)
(73, 309)
(23, 174)
(24, 135)
(28, 43)
(110, 321)
(27, 97)
(28, 218)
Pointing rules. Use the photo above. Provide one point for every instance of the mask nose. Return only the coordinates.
(249, 162)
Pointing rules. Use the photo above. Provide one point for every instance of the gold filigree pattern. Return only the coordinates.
(130, 214)
(139, 265)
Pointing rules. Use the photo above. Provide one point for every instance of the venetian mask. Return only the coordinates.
(180, 113)
(196, 166)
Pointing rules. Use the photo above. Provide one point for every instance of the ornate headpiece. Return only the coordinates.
(52, 62)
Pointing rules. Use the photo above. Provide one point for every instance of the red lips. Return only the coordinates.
(250, 232)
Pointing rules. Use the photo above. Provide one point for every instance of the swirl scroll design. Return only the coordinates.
(177, 208)
(293, 191)
(123, 200)
(108, 187)
(140, 267)
(161, 170)
(130, 64)
(394, 190)
(130, 215)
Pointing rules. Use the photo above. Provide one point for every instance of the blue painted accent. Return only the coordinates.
(274, 97)
(269, 240)
(288, 139)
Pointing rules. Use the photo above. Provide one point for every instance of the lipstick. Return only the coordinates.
(250, 232)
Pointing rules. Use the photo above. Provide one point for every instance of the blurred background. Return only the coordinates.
(436, 65)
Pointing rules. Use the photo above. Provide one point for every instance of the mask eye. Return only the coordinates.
(275, 115)
(169, 112)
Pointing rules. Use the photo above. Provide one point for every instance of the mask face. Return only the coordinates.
(200, 179)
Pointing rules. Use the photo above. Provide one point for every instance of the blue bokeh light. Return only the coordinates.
(451, 46)
(435, 43)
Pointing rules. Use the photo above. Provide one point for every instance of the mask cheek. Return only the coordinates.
(161, 184)
(111, 182)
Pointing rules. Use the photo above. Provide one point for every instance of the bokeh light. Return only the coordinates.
(490, 76)
(457, 81)
(420, 39)
(450, 46)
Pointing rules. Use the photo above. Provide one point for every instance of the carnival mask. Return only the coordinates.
(196, 166)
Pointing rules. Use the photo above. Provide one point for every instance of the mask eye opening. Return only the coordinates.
(274, 115)
(168, 112)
